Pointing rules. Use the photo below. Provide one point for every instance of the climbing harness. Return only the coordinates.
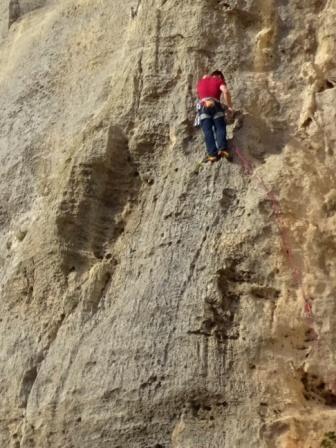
(207, 103)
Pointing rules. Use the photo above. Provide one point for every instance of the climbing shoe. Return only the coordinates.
(223, 154)
(212, 159)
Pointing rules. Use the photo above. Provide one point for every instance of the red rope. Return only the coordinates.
(279, 219)
(295, 269)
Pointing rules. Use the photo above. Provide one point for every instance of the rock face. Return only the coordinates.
(145, 299)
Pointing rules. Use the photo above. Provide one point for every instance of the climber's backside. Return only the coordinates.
(211, 114)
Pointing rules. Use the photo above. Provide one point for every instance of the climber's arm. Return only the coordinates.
(227, 96)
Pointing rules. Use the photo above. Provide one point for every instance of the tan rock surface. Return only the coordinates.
(145, 299)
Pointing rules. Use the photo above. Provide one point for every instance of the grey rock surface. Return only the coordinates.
(145, 298)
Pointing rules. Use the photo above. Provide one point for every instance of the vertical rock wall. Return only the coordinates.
(145, 299)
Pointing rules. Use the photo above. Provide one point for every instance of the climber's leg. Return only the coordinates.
(220, 127)
(207, 128)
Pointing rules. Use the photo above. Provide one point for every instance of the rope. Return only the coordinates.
(279, 218)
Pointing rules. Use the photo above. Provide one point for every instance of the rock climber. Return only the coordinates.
(211, 114)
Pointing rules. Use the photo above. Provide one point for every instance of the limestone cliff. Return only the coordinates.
(145, 299)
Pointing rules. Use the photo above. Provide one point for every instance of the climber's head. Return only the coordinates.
(218, 74)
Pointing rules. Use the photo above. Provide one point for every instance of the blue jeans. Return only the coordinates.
(213, 126)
